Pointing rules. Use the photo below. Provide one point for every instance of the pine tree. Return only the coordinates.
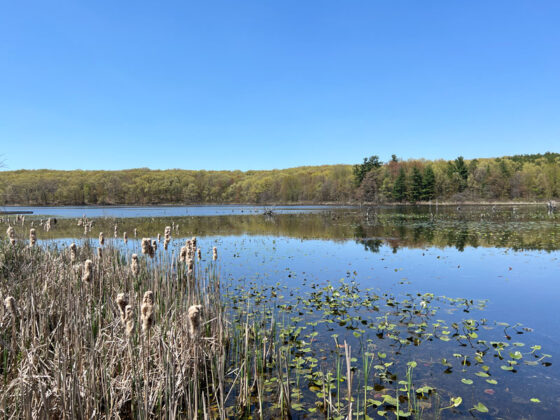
(399, 189)
(416, 187)
(428, 184)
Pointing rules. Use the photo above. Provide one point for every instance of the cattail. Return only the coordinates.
(135, 232)
(147, 247)
(193, 242)
(167, 231)
(154, 246)
(125, 237)
(10, 304)
(73, 251)
(101, 239)
(190, 265)
(134, 267)
(166, 242)
(80, 222)
(129, 316)
(199, 254)
(194, 313)
(147, 309)
(122, 303)
(32, 237)
(11, 232)
(183, 254)
(148, 297)
(88, 267)
(99, 253)
(116, 232)
(214, 253)
(159, 237)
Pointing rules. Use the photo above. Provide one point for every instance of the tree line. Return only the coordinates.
(521, 177)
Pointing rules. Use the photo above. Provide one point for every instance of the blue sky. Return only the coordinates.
(274, 84)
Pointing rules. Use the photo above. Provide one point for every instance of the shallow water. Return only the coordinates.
(507, 258)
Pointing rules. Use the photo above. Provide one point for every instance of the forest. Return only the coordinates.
(518, 178)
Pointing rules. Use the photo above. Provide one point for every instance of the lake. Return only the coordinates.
(469, 294)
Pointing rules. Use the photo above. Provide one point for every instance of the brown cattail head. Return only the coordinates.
(129, 316)
(148, 297)
(166, 242)
(199, 254)
(147, 310)
(147, 247)
(159, 237)
(193, 242)
(134, 266)
(214, 253)
(154, 246)
(32, 237)
(116, 231)
(73, 252)
(99, 253)
(122, 303)
(101, 239)
(183, 254)
(11, 232)
(190, 265)
(88, 271)
(10, 304)
(125, 237)
(194, 313)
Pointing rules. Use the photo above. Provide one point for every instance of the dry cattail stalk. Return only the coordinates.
(129, 316)
(88, 267)
(122, 303)
(116, 232)
(135, 232)
(125, 237)
(11, 232)
(147, 309)
(194, 313)
(73, 252)
(154, 245)
(214, 253)
(32, 237)
(134, 267)
(99, 253)
(190, 265)
(183, 254)
(193, 242)
(101, 239)
(166, 242)
(10, 304)
(167, 231)
(199, 254)
(159, 237)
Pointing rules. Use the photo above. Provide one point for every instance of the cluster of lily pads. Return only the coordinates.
(336, 350)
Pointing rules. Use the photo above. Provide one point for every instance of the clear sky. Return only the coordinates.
(274, 84)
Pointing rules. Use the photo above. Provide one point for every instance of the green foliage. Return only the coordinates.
(416, 185)
(360, 171)
(399, 190)
(521, 177)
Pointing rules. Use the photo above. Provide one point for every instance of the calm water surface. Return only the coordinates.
(507, 258)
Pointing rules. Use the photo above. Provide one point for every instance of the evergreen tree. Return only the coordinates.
(428, 184)
(360, 171)
(416, 187)
(399, 189)
(463, 172)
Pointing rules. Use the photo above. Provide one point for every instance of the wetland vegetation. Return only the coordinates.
(344, 313)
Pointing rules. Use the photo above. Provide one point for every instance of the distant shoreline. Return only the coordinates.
(291, 204)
